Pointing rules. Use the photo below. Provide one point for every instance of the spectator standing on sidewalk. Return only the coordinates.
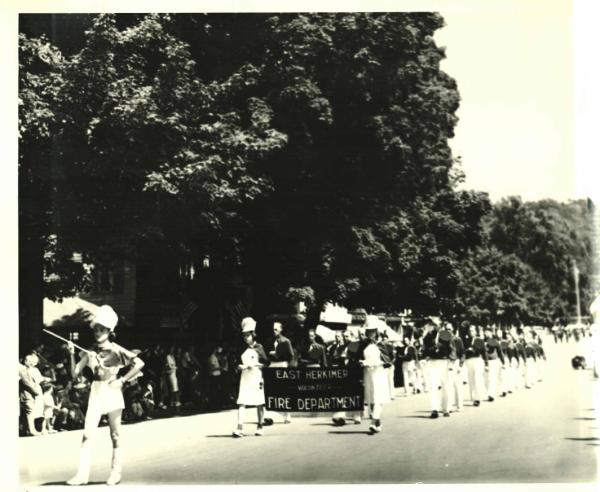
(30, 394)
(171, 374)
(214, 377)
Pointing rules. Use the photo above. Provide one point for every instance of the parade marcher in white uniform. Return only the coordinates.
(106, 396)
(495, 358)
(252, 392)
(375, 361)
(440, 355)
(530, 362)
(475, 360)
(521, 380)
(504, 375)
(456, 367)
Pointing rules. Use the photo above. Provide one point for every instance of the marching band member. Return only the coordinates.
(531, 355)
(439, 352)
(495, 358)
(504, 377)
(476, 360)
(252, 391)
(375, 361)
(456, 366)
(106, 396)
(281, 356)
(390, 352)
(409, 358)
(512, 362)
(540, 357)
(521, 348)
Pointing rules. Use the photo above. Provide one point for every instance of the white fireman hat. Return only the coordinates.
(248, 324)
(106, 317)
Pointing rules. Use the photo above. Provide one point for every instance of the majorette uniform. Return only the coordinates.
(103, 398)
(377, 390)
(252, 392)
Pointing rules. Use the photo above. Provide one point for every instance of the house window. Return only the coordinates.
(109, 280)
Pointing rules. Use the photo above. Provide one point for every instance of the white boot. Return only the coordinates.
(116, 468)
(83, 471)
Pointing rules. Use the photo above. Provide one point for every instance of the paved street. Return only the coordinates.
(546, 434)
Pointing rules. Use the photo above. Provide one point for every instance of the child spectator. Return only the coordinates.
(49, 408)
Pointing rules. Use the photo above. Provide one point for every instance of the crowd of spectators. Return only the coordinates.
(175, 379)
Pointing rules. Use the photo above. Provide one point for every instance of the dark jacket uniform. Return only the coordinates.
(475, 347)
(315, 354)
(521, 352)
(408, 353)
(459, 349)
(335, 354)
(284, 351)
(531, 351)
(434, 348)
(494, 350)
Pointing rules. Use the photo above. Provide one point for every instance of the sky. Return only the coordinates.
(515, 73)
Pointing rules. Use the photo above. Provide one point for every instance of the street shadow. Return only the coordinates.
(584, 439)
(64, 482)
(327, 423)
(415, 417)
(584, 418)
(351, 432)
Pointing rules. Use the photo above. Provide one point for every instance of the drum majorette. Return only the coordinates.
(106, 397)
(252, 392)
(375, 362)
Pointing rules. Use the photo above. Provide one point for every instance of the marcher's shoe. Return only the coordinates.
(237, 433)
(78, 480)
(339, 422)
(446, 414)
(476, 403)
(457, 410)
(490, 398)
(434, 415)
(375, 428)
(267, 421)
(259, 432)
(357, 420)
(116, 467)
(503, 394)
(114, 478)
(287, 420)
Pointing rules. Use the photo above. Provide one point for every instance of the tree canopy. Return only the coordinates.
(307, 151)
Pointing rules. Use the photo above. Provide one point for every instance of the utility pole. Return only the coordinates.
(576, 275)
